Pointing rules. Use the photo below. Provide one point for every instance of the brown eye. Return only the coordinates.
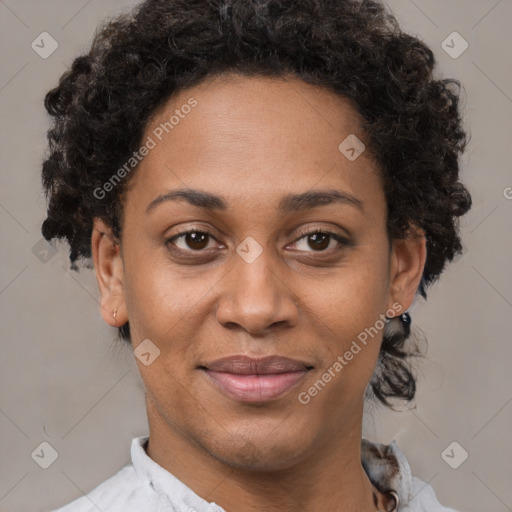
(319, 241)
(196, 241)
(191, 240)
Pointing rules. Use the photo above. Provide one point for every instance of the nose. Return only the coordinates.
(256, 297)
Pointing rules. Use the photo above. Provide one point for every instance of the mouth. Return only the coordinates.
(253, 380)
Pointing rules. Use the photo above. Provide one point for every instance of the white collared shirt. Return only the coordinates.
(145, 486)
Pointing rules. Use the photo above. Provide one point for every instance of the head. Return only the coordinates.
(247, 113)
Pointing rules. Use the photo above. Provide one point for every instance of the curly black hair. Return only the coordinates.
(354, 48)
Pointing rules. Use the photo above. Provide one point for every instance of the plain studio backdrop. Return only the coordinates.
(64, 382)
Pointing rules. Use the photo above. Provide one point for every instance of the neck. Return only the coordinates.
(329, 477)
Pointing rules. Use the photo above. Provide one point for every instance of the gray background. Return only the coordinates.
(65, 381)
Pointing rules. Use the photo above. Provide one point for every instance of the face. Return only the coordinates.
(286, 256)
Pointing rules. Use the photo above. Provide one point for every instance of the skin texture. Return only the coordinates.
(254, 140)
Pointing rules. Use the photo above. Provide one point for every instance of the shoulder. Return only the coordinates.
(389, 470)
(121, 492)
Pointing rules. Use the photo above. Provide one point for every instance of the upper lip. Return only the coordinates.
(245, 365)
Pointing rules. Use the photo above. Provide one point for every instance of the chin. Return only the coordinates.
(250, 458)
(258, 451)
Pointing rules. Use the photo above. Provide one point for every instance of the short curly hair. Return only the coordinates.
(354, 48)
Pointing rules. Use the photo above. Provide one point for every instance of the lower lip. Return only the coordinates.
(255, 388)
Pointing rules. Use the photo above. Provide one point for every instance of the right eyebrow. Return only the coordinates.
(198, 198)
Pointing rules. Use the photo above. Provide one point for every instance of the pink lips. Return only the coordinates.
(255, 380)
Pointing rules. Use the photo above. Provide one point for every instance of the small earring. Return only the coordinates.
(115, 315)
(405, 318)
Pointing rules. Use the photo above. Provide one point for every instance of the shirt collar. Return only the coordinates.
(165, 483)
(386, 466)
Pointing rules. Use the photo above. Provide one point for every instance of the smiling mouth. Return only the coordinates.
(247, 379)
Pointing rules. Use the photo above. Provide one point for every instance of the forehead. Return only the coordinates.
(239, 135)
(240, 113)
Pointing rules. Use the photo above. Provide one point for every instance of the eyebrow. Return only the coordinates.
(289, 203)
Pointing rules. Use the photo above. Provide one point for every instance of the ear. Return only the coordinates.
(108, 267)
(408, 256)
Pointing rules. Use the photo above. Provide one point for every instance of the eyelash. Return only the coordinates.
(340, 239)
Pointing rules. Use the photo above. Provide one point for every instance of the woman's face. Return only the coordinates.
(261, 160)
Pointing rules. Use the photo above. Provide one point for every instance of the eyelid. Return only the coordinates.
(309, 231)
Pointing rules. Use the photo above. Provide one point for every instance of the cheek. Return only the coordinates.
(152, 298)
(356, 295)
(348, 318)
(166, 307)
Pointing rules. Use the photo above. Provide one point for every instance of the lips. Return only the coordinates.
(255, 380)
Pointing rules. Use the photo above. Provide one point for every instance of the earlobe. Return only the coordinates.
(108, 266)
(408, 257)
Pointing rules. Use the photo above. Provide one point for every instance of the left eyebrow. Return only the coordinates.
(289, 203)
(314, 198)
